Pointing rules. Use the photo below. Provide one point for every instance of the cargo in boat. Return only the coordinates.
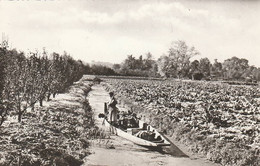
(139, 133)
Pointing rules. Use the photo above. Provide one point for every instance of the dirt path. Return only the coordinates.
(119, 151)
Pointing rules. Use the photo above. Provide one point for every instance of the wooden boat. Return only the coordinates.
(131, 134)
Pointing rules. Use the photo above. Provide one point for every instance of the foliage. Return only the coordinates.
(195, 70)
(54, 135)
(102, 70)
(214, 119)
(205, 67)
(216, 70)
(234, 68)
(131, 66)
(176, 64)
(26, 80)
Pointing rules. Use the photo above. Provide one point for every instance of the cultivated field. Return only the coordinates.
(217, 120)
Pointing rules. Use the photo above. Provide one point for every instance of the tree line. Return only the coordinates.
(177, 64)
(34, 77)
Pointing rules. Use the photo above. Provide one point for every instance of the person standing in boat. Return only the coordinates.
(112, 109)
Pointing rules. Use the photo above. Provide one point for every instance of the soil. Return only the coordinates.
(119, 151)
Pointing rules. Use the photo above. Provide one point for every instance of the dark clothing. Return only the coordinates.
(113, 110)
(112, 102)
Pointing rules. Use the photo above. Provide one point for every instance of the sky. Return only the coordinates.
(109, 30)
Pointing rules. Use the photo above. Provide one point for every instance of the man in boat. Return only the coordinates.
(112, 109)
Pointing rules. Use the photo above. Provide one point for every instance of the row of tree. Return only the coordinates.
(28, 79)
(177, 64)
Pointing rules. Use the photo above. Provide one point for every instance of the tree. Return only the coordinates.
(15, 87)
(256, 74)
(139, 63)
(116, 67)
(4, 105)
(176, 64)
(44, 78)
(2, 66)
(148, 62)
(234, 68)
(205, 67)
(164, 67)
(102, 70)
(143, 67)
(216, 69)
(195, 70)
(129, 63)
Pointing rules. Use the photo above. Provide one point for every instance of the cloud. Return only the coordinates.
(157, 13)
(105, 30)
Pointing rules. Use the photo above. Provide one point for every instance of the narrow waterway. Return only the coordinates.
(118, 151)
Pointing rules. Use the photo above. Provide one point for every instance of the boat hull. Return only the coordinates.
(135, 139)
